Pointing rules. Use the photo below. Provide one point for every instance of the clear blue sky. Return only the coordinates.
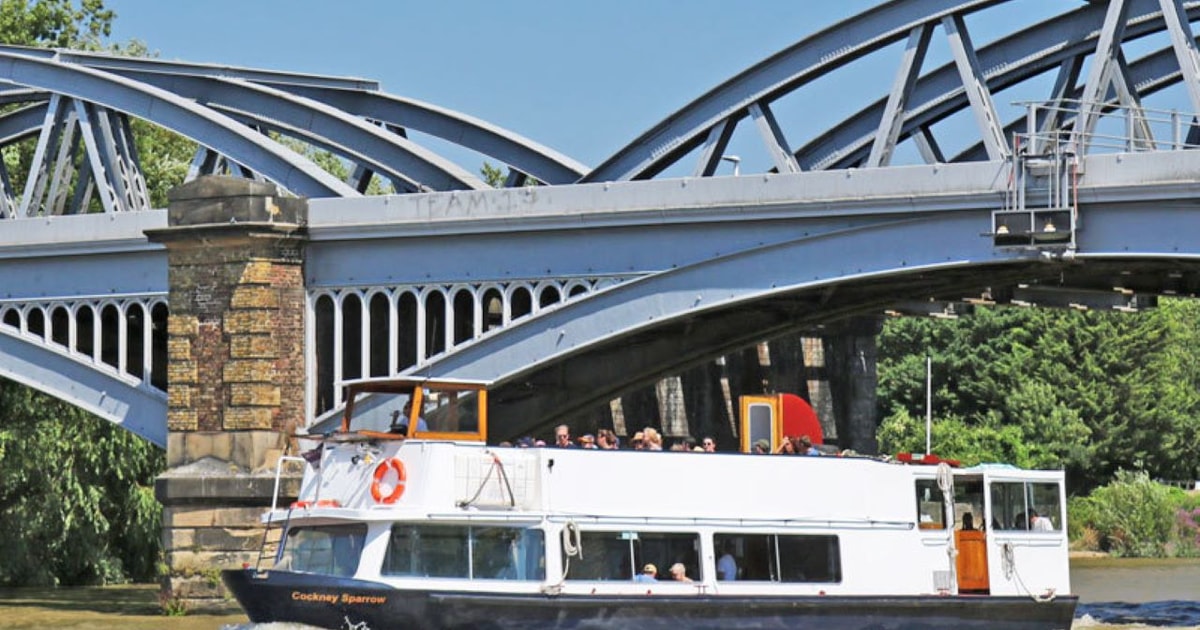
(584, 78)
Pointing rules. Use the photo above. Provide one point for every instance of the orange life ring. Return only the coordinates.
(401, 477)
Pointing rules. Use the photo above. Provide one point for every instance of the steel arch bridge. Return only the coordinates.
(597, 261)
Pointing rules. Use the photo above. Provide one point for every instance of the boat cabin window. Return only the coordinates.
(325, 549)
(472, 552)
(615, 555)
(931, 506)
(1026, 505)
(780, 558)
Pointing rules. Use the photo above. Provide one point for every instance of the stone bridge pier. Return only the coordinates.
(236, 380)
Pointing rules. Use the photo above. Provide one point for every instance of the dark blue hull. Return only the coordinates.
(338, 603)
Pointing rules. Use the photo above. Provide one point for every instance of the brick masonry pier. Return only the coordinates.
(236, 376)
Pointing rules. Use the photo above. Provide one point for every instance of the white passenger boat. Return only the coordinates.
(442, 530)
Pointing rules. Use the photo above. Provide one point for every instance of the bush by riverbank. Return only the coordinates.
(1136, 517)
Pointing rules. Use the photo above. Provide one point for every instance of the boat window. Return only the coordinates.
(931, 506)
(1018, 505)
(779, 558)
(968, 503)
(621, 555)
(327, 549)
(507, 553)
(451, 551)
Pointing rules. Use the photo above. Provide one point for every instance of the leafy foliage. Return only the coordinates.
(1092, 393)
(76, 493)
(55, 23)
(77, 502)
(1134, 516)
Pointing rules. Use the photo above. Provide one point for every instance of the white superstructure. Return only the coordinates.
(471, 517)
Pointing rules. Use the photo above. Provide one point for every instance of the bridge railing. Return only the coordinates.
(1116, 128)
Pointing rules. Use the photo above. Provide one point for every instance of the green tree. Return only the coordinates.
(76, 503)
(55, 23)
(76, 493)
(1090, 392)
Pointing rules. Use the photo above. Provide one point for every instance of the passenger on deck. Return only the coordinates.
(762, 447)
(649, 574)
(806, 447)
(607, 440)
(638, 442)
(709, 444)
(727, 568)
(400, 420)
(786, 447)
(1039, 523)
(968, 522)
(562, 436)
(653, 439)
(679, 573)
(588, 441)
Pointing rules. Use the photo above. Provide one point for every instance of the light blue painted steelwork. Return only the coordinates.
(939, 93)
(781, 73)
(126, 401)
(360, 97)
(288, 169)
(387, 153)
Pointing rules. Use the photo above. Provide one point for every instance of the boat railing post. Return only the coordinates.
(278, 474)
(945, 479)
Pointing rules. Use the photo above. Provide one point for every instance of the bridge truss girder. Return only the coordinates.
(579, 354)
(869, 137)
(126, 401)
(87, 99)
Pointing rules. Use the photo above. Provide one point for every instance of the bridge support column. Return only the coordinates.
(851, 357)
(236, 373)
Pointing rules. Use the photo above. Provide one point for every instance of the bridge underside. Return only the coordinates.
(532, 401)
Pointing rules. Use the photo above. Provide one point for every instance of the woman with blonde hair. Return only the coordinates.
(653, 439)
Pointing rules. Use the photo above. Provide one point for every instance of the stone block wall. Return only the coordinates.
(236, 375)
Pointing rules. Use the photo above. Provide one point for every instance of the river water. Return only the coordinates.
(1114, 594)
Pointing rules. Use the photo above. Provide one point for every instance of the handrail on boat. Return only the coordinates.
(278, 474)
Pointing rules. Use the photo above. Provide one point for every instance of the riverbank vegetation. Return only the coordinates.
(1112, 398)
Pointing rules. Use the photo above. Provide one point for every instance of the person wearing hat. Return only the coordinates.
(807, 448)
(762, 447)
(649, 574)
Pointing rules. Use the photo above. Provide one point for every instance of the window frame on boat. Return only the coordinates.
(301, 544)
(1011, 500)
(460, 557)
(789, 558)
(665, 549)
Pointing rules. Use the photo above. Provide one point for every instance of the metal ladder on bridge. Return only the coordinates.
(1041, 208)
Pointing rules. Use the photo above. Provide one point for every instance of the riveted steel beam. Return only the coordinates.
(360, 97)
(1100, 74)
(394, 156)
(291, 171)
(1184, 44)
(939, 93)
(890, 123)
(766, 81)
(978, 94)
(131, 403)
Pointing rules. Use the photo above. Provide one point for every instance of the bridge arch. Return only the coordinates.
(132, 403)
